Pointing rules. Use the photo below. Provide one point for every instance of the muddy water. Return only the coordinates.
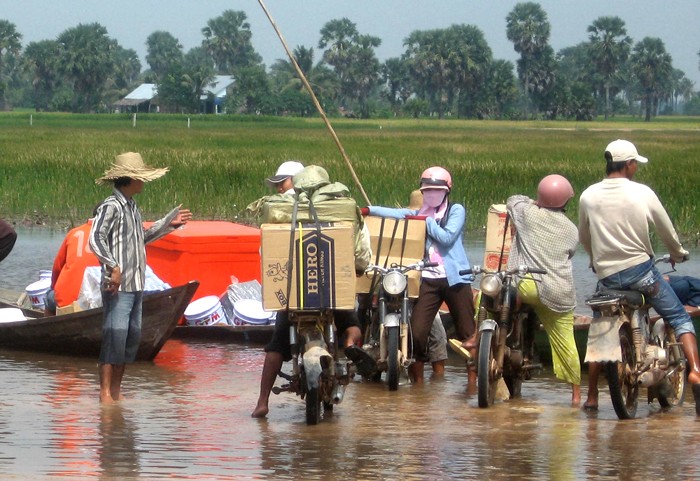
(186, 416)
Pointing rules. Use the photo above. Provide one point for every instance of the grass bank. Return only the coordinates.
(218, 163)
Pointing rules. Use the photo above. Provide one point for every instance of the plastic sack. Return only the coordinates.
(90, 295)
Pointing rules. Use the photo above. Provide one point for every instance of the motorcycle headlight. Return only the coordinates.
(394, 283)
(490, 285)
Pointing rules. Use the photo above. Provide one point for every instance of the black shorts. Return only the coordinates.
(280, 337)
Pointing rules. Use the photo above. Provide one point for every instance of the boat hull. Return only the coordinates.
(80, 333)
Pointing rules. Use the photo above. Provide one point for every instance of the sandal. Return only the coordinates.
(457, 347)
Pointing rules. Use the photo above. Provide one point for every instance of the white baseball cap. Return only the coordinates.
(624, 150)
(287, 169)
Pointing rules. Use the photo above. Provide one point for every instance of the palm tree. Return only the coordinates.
(652, 67)
(42, 61)
(353, 58)
(10, 44)
(609, 49)
(227, 38)
(164, 50)
(285, 80)
(87, 62)
(528, 28)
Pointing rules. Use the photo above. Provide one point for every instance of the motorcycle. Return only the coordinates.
(318, 376)
(387, 335)
(636, 351)
(506, 333)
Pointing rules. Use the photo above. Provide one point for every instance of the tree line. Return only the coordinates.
(442, 72)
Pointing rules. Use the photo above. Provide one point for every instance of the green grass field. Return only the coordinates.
(218, 163)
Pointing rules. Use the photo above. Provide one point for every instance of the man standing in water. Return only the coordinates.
(614, 218)
(119, 240)
(547, 239)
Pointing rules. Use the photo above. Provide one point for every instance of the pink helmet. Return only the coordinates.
(436, 178)
(554, 191)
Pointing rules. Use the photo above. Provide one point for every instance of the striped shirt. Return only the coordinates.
(545, 239)
(118, 238)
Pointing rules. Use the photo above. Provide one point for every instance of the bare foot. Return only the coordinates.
(575, 395)
(260, 412)
(470, 344)
(415, 373)
(591, 403)
(438, 368)
(106, 399)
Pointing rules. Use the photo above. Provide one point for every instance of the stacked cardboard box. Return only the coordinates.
(395, 241)
(320, 273)
(496, 241)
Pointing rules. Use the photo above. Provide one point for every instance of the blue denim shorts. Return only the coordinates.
(121, 327)
(647, 279)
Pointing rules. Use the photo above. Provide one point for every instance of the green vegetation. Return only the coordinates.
(218, 164)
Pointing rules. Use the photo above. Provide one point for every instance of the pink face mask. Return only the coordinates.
(433, 197)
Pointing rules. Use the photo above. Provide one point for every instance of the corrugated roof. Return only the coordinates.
(218, 86)
(145, 92)
(142, 92)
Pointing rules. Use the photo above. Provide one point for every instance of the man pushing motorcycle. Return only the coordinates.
(614, 218)
(278, 350)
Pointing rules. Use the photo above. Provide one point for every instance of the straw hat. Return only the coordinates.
(130, 164)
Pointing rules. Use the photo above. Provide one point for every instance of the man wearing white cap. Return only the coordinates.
(614, 219)
(282, 180)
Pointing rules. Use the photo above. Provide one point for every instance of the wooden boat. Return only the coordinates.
(80, 333)
(245, 333)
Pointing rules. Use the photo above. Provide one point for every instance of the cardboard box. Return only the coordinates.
(321, 271)
(495, 226)
(70, 308)
(395, 241)
(209, 252)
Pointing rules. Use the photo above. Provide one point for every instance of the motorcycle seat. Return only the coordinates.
(634, 299)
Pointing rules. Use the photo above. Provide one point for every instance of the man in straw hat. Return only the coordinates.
(119, 239)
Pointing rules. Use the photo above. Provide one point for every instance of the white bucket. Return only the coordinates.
(36, 292)
(250, 311)
(206, 311)
(45, 274)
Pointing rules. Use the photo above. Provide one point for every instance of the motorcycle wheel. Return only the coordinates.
(392, 349)
(672, 394)
(486, 384)
(624, 390)
(313, 406)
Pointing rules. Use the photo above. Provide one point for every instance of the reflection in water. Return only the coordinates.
(187, 416)
(119, 458)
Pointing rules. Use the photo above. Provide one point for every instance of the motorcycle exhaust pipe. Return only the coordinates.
(651, 377)
(338, 393)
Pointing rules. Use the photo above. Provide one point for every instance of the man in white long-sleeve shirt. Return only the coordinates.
(614, 219)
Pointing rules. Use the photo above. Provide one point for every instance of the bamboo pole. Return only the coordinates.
(316, 102)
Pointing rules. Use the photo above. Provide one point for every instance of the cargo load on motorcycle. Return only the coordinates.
(312, 245)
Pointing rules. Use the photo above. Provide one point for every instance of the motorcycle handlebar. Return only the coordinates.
(665, 259)
(417, 266)
(522, 269)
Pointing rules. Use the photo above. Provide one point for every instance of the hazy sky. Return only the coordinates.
(130, 22)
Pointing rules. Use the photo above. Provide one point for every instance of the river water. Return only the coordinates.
(187, 416)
